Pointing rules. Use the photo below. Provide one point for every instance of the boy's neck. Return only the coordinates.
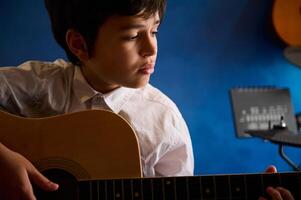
(96, 84)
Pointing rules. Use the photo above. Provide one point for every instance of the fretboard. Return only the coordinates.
(220, 187)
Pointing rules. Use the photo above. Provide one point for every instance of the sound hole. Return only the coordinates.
(68, 187)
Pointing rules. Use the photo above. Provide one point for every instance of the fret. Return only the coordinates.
(163, 189)
(201, 188)
(90, 190)
(187, 188)
(230, 191)
(237, 187)
(98, 194)
(122, 186)
(137, 194)
(222, 187)
(245, 185)
(157, 185)
(118, 193)
(253, 183)
(152, 185)
(181, 189)
(292, 182)
(147, 189)
(84, 190)
(113, 190)
(128, 189)
(168, 187)
(214, 187)
(262, 186)
(269, 179)
(175, 188)
(94, 190)
(102, 189)
(110, 189)
(299, 185)
(194, 187)
(141, 189)
(208, 189)
(106, 189)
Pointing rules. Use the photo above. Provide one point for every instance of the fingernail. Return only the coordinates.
(53, 186)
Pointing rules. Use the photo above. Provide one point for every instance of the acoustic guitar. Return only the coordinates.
(94, 155)
(287, 21)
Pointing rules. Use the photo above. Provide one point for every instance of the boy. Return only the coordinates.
(112, 46)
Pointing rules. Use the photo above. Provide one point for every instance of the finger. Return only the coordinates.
(20, 189)
(261, 198)
(26, 190)
(271, 169)
(275, 194)
(286, 194)
(40, 180)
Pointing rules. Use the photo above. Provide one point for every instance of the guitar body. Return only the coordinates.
(88, 145)
(287, 21)
(94, 155)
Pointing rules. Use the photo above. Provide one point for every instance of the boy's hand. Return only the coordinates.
(16, 172)
(278, 193)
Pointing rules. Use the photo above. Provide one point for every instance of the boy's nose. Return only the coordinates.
(149, 47)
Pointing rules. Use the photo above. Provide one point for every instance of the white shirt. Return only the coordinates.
(40, 89)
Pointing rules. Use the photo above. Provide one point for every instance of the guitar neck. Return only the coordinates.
(95, 153)
(243, 186)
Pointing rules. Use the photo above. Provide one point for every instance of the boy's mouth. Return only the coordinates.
(147, 69)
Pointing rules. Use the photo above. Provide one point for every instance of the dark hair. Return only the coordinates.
(86, 16)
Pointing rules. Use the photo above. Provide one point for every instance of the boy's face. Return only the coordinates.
(125, 53)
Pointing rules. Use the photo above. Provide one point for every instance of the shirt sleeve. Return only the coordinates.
(176, 153)
(35, 89)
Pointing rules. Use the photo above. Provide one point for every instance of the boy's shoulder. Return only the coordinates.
(43, 66)
(152, 93)
(36, 88)
(155, 96)
(39, 68)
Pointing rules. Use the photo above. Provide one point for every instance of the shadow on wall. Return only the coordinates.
(253, 37)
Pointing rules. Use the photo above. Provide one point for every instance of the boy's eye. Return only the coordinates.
(134, 37)
(131, 37)
(154, 33)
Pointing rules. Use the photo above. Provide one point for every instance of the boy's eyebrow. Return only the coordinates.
(136, 26)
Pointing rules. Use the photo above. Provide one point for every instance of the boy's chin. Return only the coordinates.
(138, 85)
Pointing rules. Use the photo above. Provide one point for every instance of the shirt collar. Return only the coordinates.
(114, 99)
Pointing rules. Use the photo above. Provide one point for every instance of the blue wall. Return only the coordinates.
(206, 47)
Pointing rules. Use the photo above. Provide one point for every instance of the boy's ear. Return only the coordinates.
(77, 44)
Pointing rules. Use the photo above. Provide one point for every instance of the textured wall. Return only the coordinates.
(206, 47)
